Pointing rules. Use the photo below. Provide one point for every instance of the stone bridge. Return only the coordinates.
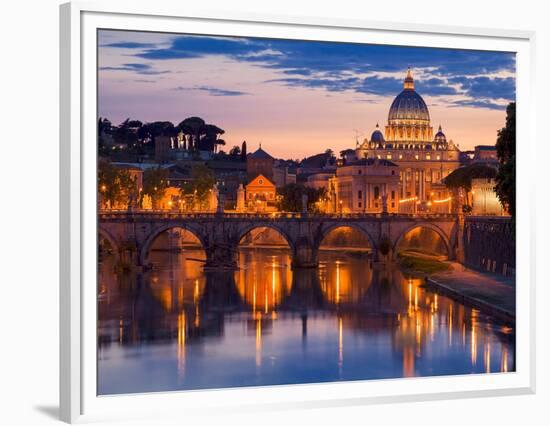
(132, 233)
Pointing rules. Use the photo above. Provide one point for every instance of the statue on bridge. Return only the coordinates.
(385, 204)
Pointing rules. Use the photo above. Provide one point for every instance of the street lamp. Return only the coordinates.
(341, 206)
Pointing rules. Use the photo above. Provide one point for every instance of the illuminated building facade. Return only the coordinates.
(424, 159)
(260, 195)
(484, 198)
(368, 185)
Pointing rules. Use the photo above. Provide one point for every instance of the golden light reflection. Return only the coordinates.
(487, 357)
(409, 310)
(181, 343)
(504, 360)
(259, 341)
(408, 362)
(263, 288)
(337, 282)
(174, 289)
(473, 338)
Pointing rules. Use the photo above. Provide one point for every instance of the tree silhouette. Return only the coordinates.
(195, 127)
(243, 151)
(506, 152)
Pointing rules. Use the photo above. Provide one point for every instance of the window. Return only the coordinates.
(388, 156)
(359, 204)
(360, 194)
(393, 172)
(393, 195)
(416, 156)
(438, 157)
(400, 156)
(376, 192)
(360, 171)
(428, 157)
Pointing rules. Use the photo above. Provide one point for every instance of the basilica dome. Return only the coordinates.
(408, 105)
(440, 136)
(377, 135)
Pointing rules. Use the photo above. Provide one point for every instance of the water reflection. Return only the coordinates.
(177, 327)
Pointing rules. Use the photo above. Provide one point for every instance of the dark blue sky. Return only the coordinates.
(284, 92)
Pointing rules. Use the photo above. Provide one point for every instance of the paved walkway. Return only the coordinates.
(492, 294)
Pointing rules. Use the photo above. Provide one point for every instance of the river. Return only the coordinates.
(177, 327)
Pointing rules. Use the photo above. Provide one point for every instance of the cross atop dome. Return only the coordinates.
(409, 81)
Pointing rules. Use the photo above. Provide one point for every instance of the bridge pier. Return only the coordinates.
(221, 256)
(304, 255)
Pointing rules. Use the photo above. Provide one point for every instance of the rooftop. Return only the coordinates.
(260, 154)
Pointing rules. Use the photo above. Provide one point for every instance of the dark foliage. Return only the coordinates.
(506, 152)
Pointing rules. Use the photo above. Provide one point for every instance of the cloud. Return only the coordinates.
(129, 45)
(481, 103)
(214, 91)
(144, 69)
(485, 87)
(194, 47)
(362, 68)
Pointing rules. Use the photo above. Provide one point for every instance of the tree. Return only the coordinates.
(155, 182)
(126, 133)
(506, 153)
(200, 185)
(462, 177)
(195, 127)
(243, 151)
(149, 131)
(290, 197)
(116, 186)
(235, 151)
(210, 140)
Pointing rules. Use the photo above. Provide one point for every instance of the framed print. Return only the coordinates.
(291, 212)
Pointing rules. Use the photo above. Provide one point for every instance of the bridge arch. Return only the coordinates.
(326, 230)
(103, 233)
(150, 239)
(280, 230)
(426, 225)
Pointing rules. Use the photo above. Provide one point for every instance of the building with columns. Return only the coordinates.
(424, 159)
(369, 185)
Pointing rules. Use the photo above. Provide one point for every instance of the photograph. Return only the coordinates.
(279, 211)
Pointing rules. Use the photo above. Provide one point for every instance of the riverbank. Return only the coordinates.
(416, 263)
(490, 294)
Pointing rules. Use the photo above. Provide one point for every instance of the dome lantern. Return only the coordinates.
(408, 84)
(440, 136)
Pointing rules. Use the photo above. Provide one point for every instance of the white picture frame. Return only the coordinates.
(78, 391)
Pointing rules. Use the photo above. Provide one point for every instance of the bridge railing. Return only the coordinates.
(173, 214)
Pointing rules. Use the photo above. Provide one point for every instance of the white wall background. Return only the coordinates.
(29, 211)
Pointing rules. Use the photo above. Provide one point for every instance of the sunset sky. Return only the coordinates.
(298, 98)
